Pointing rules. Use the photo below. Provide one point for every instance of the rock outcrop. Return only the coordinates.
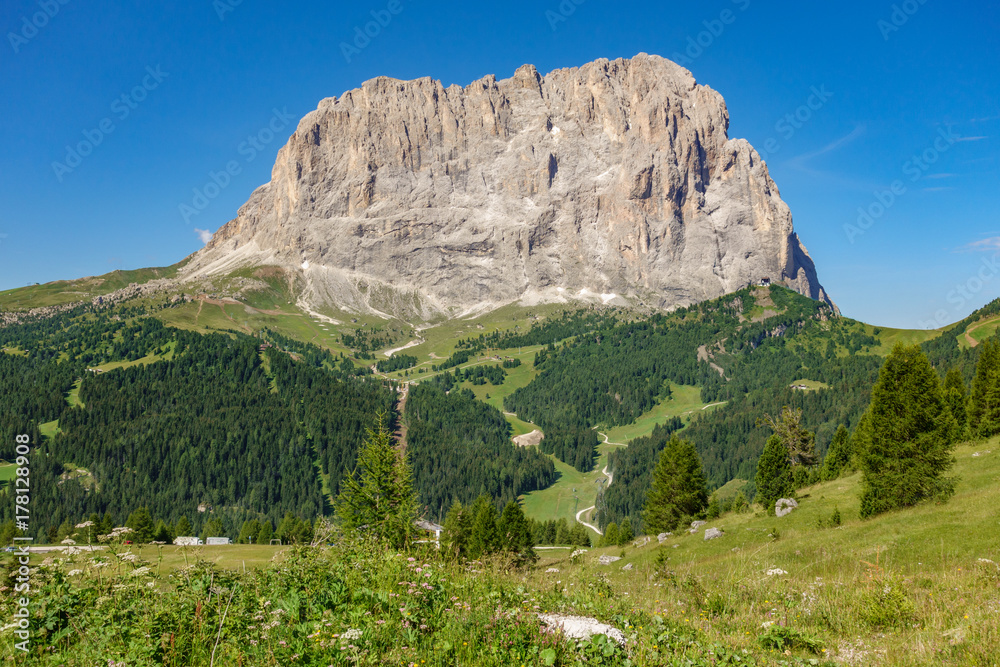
(613, 182)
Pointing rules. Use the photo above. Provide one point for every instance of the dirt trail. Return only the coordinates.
(579, 514)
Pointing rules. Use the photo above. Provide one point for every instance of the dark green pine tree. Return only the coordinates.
(838, 457)
(906, 436)
(610, 534)
(249, 531)
(266, 533)
(141, 524)
(625, 534)
(183, 528)
(984, 401)
(515, 533)
(957, 397)
(484, 537)
(774, 474)
(678, 488)
(163, 533)
(378, 496)
(457, 526)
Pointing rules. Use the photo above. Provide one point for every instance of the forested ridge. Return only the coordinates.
(460, 449)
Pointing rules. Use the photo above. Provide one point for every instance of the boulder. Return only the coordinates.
(662, 537)
(607, 560)
(581, 627)
(784, 506)
(627, 566)
(712, 533)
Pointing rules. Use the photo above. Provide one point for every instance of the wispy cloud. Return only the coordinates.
(940, 175)
(972, 138)
(798, 160)
(943, 189)
(204, 235)
(989, 244)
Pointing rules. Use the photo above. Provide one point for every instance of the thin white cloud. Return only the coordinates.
(989, 244)
(204, 235)
(830, 147)
(940, 175)
(972, 138)
(945, 189)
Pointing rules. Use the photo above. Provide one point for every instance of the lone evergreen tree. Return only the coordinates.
(906, 436)
(838, 457)
(800, 443)
(625, 534)
(515, 533)
(378, 496)
(141, 524)
(956, 396)
(610, 534)
(484, 538)
(266, 533)
(183, 527)
(456, 531)
(774, 474)
(678, 488)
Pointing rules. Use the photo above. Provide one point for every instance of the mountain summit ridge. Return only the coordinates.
(615, 182)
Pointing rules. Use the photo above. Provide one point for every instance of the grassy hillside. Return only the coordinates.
(916, 587)
(83, 289)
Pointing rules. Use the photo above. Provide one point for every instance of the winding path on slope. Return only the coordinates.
(579, 514)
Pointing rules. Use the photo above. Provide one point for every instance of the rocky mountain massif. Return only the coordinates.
(615, 182)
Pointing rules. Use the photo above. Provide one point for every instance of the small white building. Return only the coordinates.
(217, 540)
(187, 541)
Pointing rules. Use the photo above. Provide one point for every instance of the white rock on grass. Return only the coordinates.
(607, 560)
(662, 537)
(712, 533)
(627, 566)
(551, 570)
(784, 506)
(582, 627)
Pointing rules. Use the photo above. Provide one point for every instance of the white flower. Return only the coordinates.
(775, 571)
(140, 571)
(352, 633)
(85, 524)
(73, 573)
(69, 541)
(128, 557)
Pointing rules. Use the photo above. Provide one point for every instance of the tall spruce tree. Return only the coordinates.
(984, 402)
(515, 533)
(905, 438)
(838, 457)
(678, 488)
(774, 474)
(141, 524)
(457, 527)
(956, 395)
(378, 496)
(484, 536)
(183, 527)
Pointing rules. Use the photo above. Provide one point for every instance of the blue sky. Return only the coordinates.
(903, 127)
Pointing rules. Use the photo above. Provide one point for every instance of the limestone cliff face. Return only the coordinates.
(615, 181)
